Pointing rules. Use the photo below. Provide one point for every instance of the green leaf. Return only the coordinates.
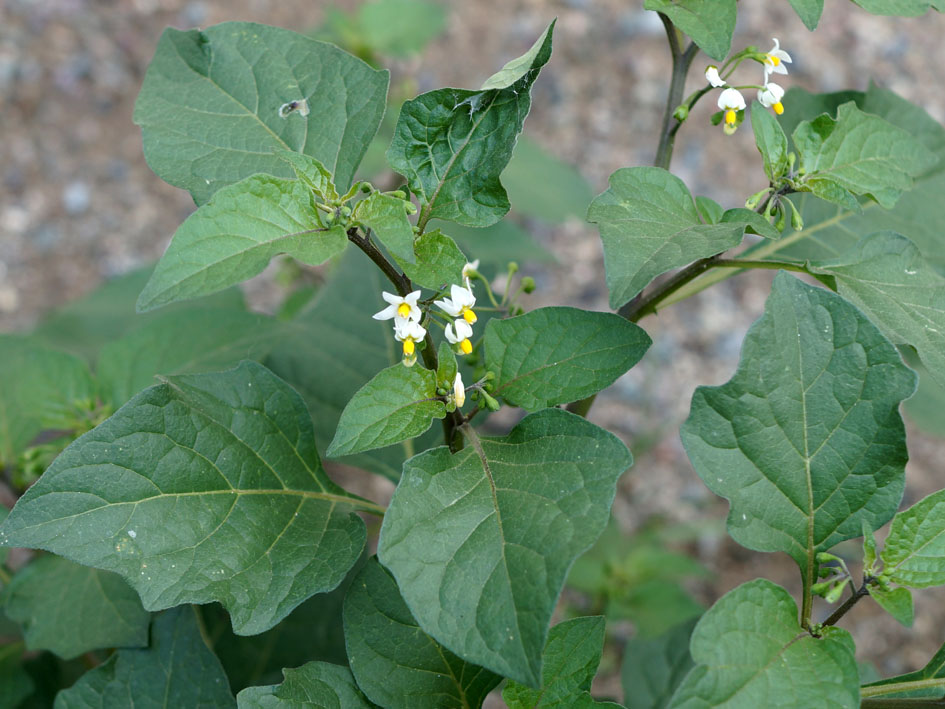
(568, 664)
(439, 262)
(312, 173)
(70, 609)
(233, 237)
(914, 554)
(771, 141)
(452, 144)
(543, 187)
(386, 217)
(710, 23)
(750, 652)
(217, 104)
(869, 549)
(649, 225)
(316, 684)
(934, 669)
(903, 8)
(809, 11)
(447, 366)
(230, 529)
(40, 389)
(500, 243)
(858, 154)
(400, 27)
(555, 355)
(653, 668)
(805, 441)
(15, 682)
(888, 279)
(751, 221)
(926, 405)
(177, 669)
(488, 586)
(195, 340)
(396, 664)
(398, 403)
(897, 602)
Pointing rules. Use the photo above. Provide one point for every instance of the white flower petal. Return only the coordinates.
(712, 76)
(387, 313)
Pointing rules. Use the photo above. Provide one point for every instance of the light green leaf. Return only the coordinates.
(71, 609)
(914, 554)
(809, 11)
(750, 652)
(543, 187)
(568, 664)
(888, 279)
(710, 23)
(396, 664)
(398, 403)
(500, 243)
(653, 668)
(40, 389)
(897, 602)
(386, 217)
(805, 441)
(316, 684)
(488, 586)
(771, 141)
(400, 27)
(751, 221)
(903, 8)
(439, 261)
(217, 104)
(452, 144)
(177, 670)
(869, 548)
(312, 173)
(858, 154)
(710, 210)
(649, 225)
(195, 340)
(230, 529)
(555, 355)
(926, 405)
(233, 237)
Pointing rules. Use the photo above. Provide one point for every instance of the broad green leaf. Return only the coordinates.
(15, 682)
(447, 366)
(809, 11)
(914, 554)
(750, 652)
(555, 355)
(195, 340)
(177, 670)
(752, 222)
(217, 104)
(314, 174)
(230, 529)
(500, 243)
(771, 141)
(384, 215)
(710, 210)
(934, 669)
(710, 23)
(40, 389)
(316, 684)
(439, 262)
(653, 668)
(897, 602)
(888, 279)
(925, 407)
(233, 237)
(71, 609)
(398, 403)
(396, 664)
(452, 144)
(858, 154)
(487, 588)
(903, 8)
(568, 664)
(543, 187)
(649, 225)
(400, 27)
(805, 441)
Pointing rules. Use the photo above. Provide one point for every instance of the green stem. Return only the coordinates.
(749, 263)
(682, 60)
(883, 703)
(896, 687)
(849, 603)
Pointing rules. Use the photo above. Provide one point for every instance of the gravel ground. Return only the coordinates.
(78, 203)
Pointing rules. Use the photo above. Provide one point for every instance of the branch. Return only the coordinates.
(849, 603)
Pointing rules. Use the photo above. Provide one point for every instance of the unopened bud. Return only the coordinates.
(797, 222)
(399, 194)
(410, 207)
(366, 187)
(833, 595)
(513, 267)
(681, 113)
(781, 221)
(528, 284)
(756, 198)
(491, 403)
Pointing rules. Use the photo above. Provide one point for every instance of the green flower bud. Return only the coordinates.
(491, 403)
(681, 113)
(756, 198)
(513, 267)
(528, 284)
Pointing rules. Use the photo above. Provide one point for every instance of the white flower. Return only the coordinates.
(459, 391)
(731, 101)
(469, 268)
(409, 332)
(400, 308)
(458, 333)
(770, 97)
(775, 60)
(459, 304)
(712, 76)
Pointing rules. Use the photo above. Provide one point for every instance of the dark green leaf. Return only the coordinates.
(396, 664)
(452, 144)
(177, 670)
(750, 652)
(805, 441)
(233, 237)
(15, 683)
(653, 668)
(914, 554)
(710, 23)
(487, 588)
(386, 217)
(70, 609)
(446, 371)
(897, 602)
(217, 104)
(542, 187)
(555, 355)
(229, 529)
(809, 11)
(316, 684)
(439, 262)
(771, 141)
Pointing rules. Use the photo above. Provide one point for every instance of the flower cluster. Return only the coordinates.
(407, 328)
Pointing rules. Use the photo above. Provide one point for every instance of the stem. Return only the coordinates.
(639, 307)
(682, 60)
(849, 603)
(896, 687)
(748, 263)
(882, 703)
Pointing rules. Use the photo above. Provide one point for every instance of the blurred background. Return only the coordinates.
(78, 205)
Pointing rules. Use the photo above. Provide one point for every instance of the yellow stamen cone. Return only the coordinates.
(465, 346)
(730, 115)
(403, 310)
(409, 347)
(469, 316)
(778, 108)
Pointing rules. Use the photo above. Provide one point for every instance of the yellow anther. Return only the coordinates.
(778, 108)
(730, 116)
(465, 346)
(409, 347)
(469, 316)
(403, 310)
(774, 60)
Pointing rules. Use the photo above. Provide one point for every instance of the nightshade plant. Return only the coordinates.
(189, 525)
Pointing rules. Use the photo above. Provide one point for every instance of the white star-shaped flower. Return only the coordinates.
(403, 308)
(770, 97)
(775, 60)
(459, 304)
(458, 333)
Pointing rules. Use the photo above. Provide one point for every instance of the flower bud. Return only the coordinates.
(756, 198)
(528, 284)
(681, 113)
